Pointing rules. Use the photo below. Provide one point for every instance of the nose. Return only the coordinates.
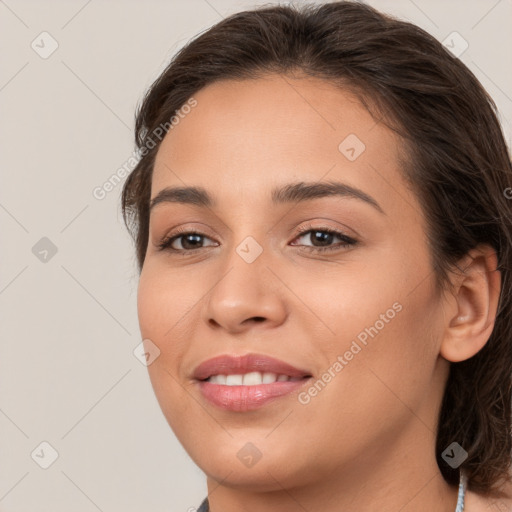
(245, 295)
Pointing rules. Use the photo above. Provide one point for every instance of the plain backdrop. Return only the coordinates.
(69, 377)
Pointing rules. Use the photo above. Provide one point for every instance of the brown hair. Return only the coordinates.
(456, 161)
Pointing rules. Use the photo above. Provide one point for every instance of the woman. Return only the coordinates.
(323, 231)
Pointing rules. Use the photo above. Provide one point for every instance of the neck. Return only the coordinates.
(406, 480)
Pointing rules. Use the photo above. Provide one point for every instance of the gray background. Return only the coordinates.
(68, 373)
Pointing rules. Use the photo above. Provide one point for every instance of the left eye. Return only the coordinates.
(325, 237)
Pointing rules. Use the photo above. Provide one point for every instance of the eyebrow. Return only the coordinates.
(291, 192)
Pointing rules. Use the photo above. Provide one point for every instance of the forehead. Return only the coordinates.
(247, 136)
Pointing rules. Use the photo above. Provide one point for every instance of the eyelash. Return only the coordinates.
(165, 244)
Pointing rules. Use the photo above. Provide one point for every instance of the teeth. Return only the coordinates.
(252, 379)
(217, 379)
(249, 379)
(269, 377)
(234, 380)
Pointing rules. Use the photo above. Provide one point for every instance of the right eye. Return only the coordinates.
(189, 241)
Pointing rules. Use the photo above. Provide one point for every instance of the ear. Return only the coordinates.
(471, 312)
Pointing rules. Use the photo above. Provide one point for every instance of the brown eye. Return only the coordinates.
(322, 239)
(189, 241)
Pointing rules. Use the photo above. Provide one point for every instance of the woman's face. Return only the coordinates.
(361, 322)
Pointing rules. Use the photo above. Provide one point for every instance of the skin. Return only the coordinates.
(366, 441)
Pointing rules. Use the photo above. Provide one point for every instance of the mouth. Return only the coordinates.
(243, 383)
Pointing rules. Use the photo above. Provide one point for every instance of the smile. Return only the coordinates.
(244, 383)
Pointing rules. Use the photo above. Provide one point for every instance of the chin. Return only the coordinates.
(231, 464)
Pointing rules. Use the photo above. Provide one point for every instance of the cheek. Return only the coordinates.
(386, 374)
(349, 304)
(162, 312)
(165, 305)
(165, 300)
(383, 321)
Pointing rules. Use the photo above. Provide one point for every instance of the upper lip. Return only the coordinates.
(231, 365)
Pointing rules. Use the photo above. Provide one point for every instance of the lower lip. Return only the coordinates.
(247, 398)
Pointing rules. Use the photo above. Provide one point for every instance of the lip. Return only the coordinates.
(245, 398)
